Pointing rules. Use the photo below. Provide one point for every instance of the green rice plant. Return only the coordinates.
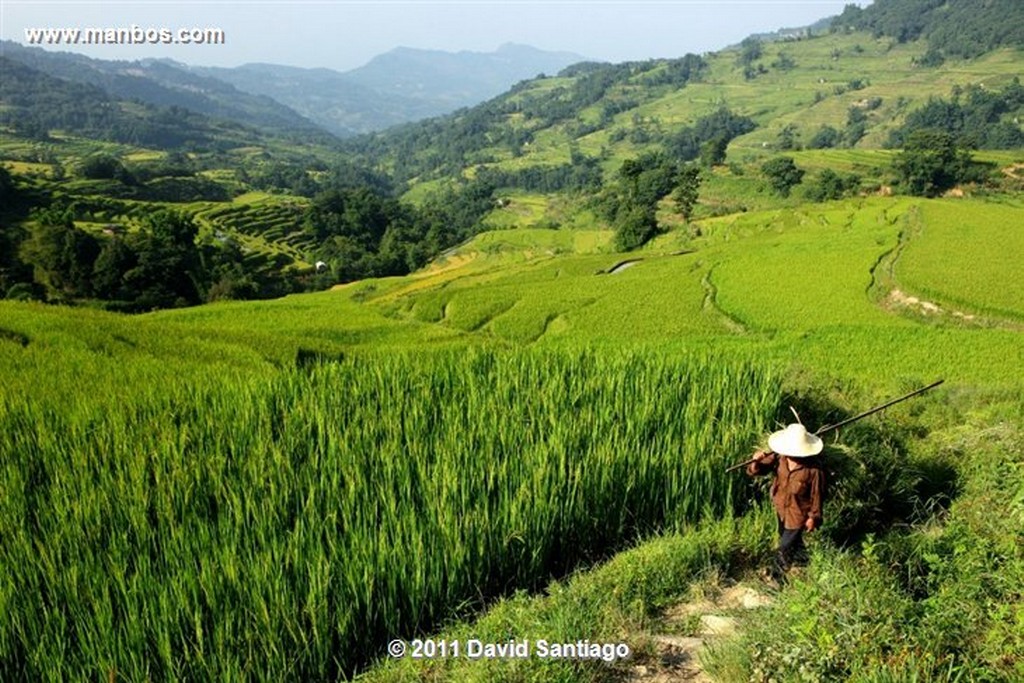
(967, 253)
(288, 523)
(607, 603)
(807, 269)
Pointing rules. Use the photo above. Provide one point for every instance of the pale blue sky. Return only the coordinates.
(343, 35)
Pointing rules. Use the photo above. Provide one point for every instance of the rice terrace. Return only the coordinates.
(457, 400)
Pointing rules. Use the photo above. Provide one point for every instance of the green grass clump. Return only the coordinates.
(286, 525)
(844, 612)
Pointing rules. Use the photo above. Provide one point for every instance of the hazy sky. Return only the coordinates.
(343, 35)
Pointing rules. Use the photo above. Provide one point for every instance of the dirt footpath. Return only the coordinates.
(686, 628)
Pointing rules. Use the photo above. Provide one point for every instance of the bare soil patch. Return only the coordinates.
(686, 628)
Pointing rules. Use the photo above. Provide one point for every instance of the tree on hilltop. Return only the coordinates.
(832, 185)
(105, 167)
(712, 152)
(751, 50)
(826, 137)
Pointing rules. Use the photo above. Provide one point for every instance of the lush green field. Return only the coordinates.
(268, 489)
(968, 255)
(937, 600)
(805, 287)
(272, 490)
(285, 523)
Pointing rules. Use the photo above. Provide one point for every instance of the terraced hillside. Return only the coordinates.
(264, 224)
(796, 284)
(861, 86)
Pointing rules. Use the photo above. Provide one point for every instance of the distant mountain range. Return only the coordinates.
(397, 87)
(162, 83)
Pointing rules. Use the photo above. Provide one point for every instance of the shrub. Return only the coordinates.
(782, 174)
(636, 226)
(826, 137)
(831, 185)
(930, 163)
(105, 167)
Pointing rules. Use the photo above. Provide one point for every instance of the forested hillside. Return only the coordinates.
(583, 99)
(837, 88)
(641, 148)
(166, 84)
(954, 28)
(36, 103)
(396, 87)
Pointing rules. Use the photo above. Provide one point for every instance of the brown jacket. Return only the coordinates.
(796, 494)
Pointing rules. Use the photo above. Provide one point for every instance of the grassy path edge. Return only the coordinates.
(935, 600)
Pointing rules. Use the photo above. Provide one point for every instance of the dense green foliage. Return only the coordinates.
(931, 163)
(362, 234)
(354, 225)
(37, 103)
(630, 205)
(687, 190)
(159, 266)
(582, 174)
(976, 117)
(292, 523)
(7, 189)
(750, 51)
(825, 137)
(708, 137)
(782, 174)
(9, 263)
(635, 226)
(831, 185)
(961, 28)
(61, 256)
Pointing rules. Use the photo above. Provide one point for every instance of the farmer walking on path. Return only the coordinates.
(796, 491)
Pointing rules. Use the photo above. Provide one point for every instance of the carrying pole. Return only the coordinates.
(832, 427)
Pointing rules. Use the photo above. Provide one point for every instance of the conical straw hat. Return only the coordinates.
(795, 441)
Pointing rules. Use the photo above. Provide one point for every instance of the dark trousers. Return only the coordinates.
(791, 547)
